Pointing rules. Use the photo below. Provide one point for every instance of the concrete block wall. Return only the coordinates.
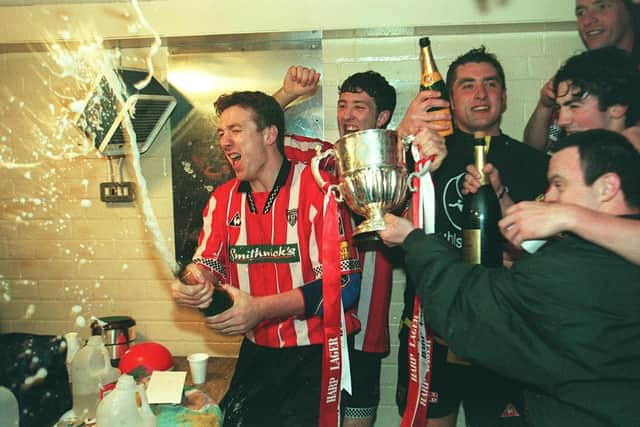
(66, 256)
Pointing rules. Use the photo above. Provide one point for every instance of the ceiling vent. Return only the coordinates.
(102, 117)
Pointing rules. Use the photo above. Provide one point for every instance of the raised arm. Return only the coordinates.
(298, 81)
(536, 133)
(533, 220)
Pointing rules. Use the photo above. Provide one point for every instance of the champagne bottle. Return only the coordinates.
(432, 80)
(221, 301)
(482, 243)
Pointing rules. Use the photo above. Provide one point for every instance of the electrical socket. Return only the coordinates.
(117, 192)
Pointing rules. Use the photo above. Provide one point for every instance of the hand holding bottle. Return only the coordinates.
(426, 111)
(481, 242)
(471, 182)
(244, 314)
(194, 288)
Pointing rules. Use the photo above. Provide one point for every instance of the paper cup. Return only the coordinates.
(198, 366)
(533, 245)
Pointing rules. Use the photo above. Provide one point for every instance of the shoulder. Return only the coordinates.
(298, 148)
(226, 186)
(519, 148)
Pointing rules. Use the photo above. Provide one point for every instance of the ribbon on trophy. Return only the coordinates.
(336, 375)
(420, 338)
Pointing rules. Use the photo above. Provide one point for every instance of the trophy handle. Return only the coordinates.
(315, 171)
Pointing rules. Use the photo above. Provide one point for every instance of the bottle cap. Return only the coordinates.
(424, 41)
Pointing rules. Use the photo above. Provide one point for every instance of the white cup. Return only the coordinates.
(533, 245)
(198, 366)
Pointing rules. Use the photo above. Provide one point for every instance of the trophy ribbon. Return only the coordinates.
(335, 360)
(420, 336)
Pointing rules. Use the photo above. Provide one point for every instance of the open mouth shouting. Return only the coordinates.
(234, 159)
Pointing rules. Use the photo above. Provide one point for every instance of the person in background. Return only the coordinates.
(478, 96)
(261, 243)
(586, 101)
(564, 320)
(366, 101)
(601, 23)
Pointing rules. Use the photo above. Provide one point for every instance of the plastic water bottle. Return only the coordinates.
(8, 408)
(90, 371)
(120, 408)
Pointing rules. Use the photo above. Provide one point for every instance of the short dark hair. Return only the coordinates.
(266, 110)
(603, 151)
(376, 86)
(476, 55)
(609, 74)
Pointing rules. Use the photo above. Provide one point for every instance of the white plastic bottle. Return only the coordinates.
(8, 408)
(119, 408)
(90, 370)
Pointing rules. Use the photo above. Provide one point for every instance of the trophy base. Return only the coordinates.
(370, 225)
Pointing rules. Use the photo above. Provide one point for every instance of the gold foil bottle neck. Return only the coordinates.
(481, 142)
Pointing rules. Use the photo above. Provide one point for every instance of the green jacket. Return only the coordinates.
(565, 321)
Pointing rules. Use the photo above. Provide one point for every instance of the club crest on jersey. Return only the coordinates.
(292, 216)
(235, 221)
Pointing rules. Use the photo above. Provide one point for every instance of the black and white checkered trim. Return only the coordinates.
(349, 265)
(360, 413)
(213, 264)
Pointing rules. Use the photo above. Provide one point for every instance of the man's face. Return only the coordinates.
(578, 113)
(604, 23)
(357, 111)
(477, 98)
(242, 143)
(566, 181)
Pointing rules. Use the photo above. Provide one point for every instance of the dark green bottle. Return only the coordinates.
(482, 242)
(221, 301)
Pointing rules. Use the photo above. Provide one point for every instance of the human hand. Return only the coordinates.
(300, 81)
(243, 316)
(547, 95)
(195, 287)
(396, 230)
(431, 145)
(418, 117)
(535, 220)
(471, 182)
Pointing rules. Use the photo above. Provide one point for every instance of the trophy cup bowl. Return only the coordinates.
(372, 175)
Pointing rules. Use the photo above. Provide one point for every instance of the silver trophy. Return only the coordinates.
(372, 175)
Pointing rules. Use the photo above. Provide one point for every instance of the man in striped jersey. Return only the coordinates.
(366, 101)
(262, 240)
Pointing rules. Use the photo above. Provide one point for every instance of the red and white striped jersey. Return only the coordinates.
(298, 148)
(270, 243)
(373, 304)
(375, 287)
